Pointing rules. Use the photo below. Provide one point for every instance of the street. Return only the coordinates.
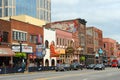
(107, 74)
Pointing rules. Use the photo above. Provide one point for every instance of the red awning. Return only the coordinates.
(6, 52)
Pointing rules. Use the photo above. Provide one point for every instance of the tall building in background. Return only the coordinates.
(40, 9)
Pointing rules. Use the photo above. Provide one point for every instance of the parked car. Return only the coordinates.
(76, 66)
(67, 66)
(118, 66)
(99, 67)
(60, 67)
(90, 66)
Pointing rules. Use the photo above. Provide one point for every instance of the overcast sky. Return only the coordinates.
(105, 15)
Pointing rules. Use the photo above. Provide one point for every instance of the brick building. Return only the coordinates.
(118, 51)
(110, 47)
(78, 29)
(94, 43)
(17, 34)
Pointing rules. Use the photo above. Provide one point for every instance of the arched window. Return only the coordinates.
(46, 44)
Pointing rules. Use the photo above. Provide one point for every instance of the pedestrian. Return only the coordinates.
(23, 65)
(81, 66)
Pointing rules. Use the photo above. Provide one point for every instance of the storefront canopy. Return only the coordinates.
(6, 52)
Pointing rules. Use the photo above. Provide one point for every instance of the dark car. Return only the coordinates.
(60, 67)
(67, 66)
(99, 67)
(118, 66)
(90, 66)
(76, 66)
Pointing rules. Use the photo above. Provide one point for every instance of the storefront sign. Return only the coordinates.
(6, 52)
(3, 51)
(40, 51)
(100, 51)
(61, 51)
(26, 49)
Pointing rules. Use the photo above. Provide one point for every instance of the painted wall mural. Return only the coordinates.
(68, 26)
(53, 51)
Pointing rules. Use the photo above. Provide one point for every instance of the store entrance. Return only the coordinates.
(4, 61)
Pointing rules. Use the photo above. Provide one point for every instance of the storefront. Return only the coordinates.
(6, 57)
(23, 55)
(40, 53)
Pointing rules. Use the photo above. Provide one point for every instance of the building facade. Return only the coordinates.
(89, 41)
(40, 9)
(77, 27)
(96, 36)
(21, 37)
(94, 43)
(48, 59)
(110, 47)
(63, 40)
(118, 51)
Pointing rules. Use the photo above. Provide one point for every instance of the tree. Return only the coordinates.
(82, 58)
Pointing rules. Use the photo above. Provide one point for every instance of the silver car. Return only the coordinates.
(60, 67)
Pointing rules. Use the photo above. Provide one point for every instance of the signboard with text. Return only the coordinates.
(26, 49)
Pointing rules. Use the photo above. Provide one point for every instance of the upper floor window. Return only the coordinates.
(3, 36)
(22, 36)
(46, 44)
(33, 38)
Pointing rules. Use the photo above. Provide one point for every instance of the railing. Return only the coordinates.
(8, 70)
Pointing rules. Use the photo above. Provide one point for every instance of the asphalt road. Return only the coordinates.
(107, 74)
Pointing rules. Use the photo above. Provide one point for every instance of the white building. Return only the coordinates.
(49, 36)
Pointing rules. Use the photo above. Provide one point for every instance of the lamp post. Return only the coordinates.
(20, 43)
(79, 49)
(100, 51)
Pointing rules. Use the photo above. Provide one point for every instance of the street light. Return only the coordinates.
(20, 42)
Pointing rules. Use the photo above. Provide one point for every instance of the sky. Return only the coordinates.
(105, 15)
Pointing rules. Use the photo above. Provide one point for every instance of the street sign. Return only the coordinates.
(100, 51)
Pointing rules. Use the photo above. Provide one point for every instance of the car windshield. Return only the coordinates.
(66, 64)
(92, 65)
(98, 65)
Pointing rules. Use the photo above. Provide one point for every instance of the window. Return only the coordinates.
(57, 41)
(63, 42)
(46, 44)
(5, 37)
(6, 2)
(60, 41)
(0, 3)
(6, 12)
(19, 36)
(0, 12)
(33, 38)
